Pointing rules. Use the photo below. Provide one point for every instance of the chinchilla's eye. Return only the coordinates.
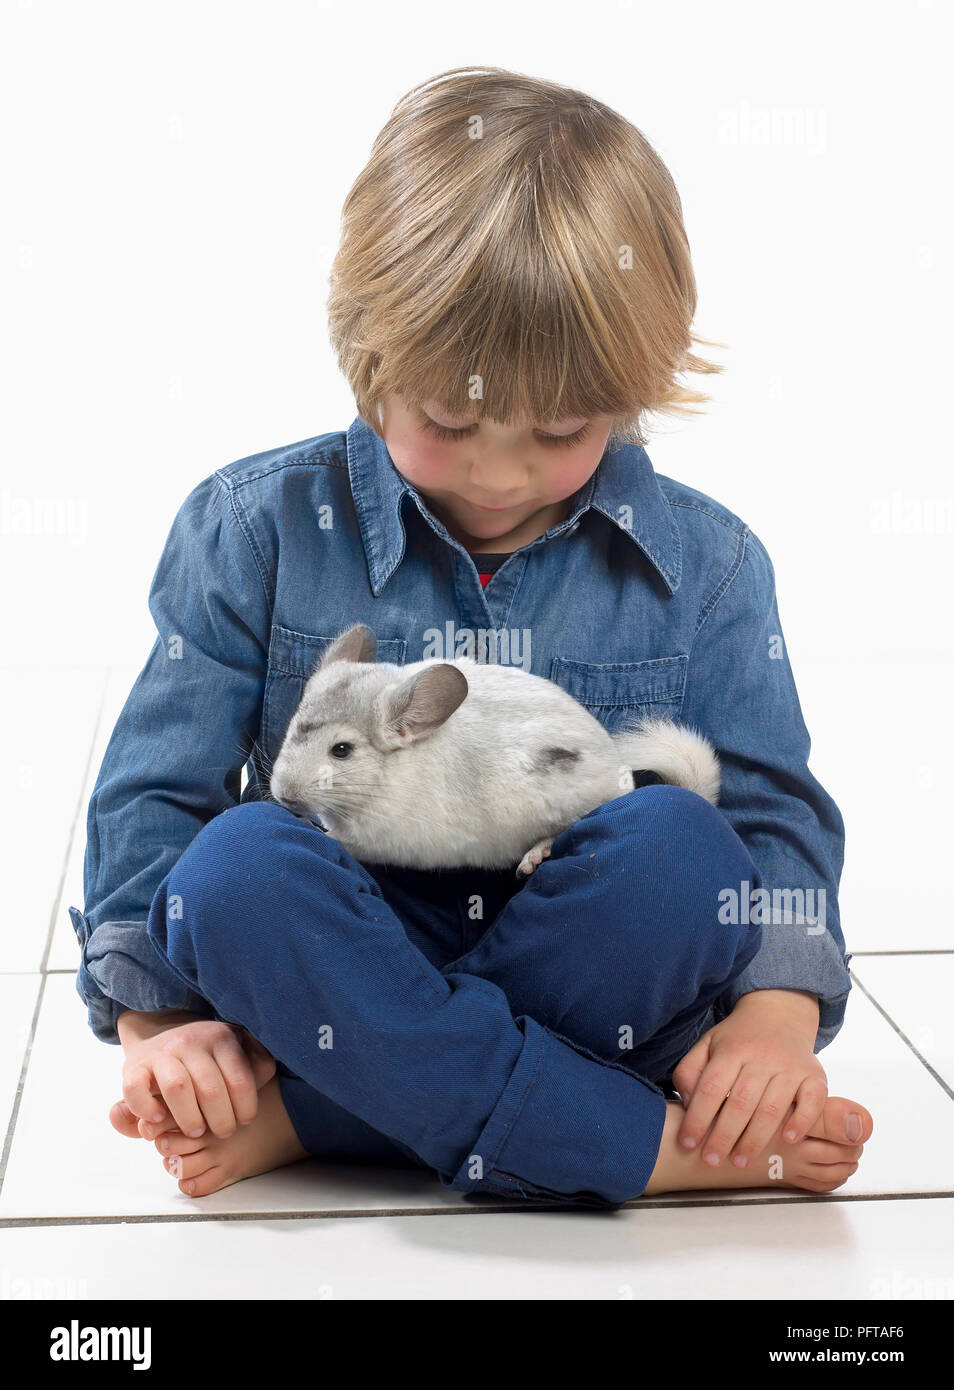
(341, 750)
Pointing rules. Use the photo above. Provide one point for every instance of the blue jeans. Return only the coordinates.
(508, 1034)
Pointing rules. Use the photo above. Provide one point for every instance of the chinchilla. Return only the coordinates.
(454, 764)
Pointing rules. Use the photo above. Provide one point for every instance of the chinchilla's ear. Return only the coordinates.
(420, 704)
(358, 643)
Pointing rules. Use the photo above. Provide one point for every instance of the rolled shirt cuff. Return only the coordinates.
(569, 1127)
(798, 956)
(121, 969)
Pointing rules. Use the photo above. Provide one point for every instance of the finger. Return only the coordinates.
(685, 1076)
(707, 1099)
(774, 1106)
(139, 1085)
(175, 1084)
(238, 1074)
(261, 1060)
(149, 1131)
(736, 1112)
(211, 1091)
(810, 1102)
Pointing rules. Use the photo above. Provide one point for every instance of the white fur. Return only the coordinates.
(461, 786)
(679, 754)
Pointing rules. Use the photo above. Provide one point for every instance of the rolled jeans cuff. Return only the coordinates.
(588, 1130)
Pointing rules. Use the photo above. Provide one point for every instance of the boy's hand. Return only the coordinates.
(762, 1053)
(199, 1072)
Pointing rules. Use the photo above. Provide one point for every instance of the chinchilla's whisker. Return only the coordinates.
(382, 801)
(266, 762)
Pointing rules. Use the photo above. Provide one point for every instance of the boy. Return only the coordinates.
(512, 292)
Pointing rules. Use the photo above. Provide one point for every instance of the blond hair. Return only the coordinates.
(515, 250)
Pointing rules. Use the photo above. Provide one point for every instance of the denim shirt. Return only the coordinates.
(649, 598)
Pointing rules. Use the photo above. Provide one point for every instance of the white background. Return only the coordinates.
(173, 175)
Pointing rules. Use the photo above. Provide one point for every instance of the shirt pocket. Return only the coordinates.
(618, 693)
(292, 658)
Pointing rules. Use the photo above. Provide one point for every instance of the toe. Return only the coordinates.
(835, 1123)
(204, 1183)
(179, 1143)
(122, 1119)
(824, 1151)
(827, 1179)
(831, 1175)
(189, 1165)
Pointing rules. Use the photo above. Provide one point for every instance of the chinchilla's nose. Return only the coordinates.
(283, 793)
(292, 803)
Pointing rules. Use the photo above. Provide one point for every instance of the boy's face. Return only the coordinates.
(495, 487)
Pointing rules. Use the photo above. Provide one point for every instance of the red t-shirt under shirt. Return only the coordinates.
(487, 565)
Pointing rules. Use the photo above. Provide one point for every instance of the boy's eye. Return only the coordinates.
(444, 431)
(566, 439)
(447, 434)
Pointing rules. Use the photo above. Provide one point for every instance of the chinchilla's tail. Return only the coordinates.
(680, 756)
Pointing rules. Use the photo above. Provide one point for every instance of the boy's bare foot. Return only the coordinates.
(209, 1163)
(820, 1162)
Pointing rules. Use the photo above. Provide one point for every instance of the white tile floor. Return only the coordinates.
(86, 1213)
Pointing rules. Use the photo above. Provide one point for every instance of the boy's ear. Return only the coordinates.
(420, 704)
(358, 643)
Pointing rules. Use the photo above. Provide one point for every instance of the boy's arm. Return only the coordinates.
(175, 756)
(741, 693)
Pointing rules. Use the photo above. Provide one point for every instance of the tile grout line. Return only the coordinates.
(903, 1036)
(73, 825)
(925, 951)
(491, 1209)
(28, 1050)
(21, 1082)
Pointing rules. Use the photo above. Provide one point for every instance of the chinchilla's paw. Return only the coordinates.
(534, 857)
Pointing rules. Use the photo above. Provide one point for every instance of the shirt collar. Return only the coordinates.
(624, 488)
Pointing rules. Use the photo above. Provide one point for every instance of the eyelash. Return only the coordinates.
(447, 434)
